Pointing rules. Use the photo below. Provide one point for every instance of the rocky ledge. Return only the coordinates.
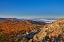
(53, 32)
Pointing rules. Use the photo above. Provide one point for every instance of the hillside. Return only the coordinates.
(31, 31)
(10, 27)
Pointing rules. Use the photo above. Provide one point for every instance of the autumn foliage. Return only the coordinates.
(12, 26)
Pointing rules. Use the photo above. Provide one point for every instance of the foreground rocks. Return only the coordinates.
(53, 32)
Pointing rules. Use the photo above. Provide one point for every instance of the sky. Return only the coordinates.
(32, 8)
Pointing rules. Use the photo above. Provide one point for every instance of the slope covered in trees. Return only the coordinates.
(11, 28)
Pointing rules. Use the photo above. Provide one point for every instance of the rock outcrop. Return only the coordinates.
(51, 31)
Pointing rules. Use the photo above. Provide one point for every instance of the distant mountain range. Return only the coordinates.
(47, 20)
